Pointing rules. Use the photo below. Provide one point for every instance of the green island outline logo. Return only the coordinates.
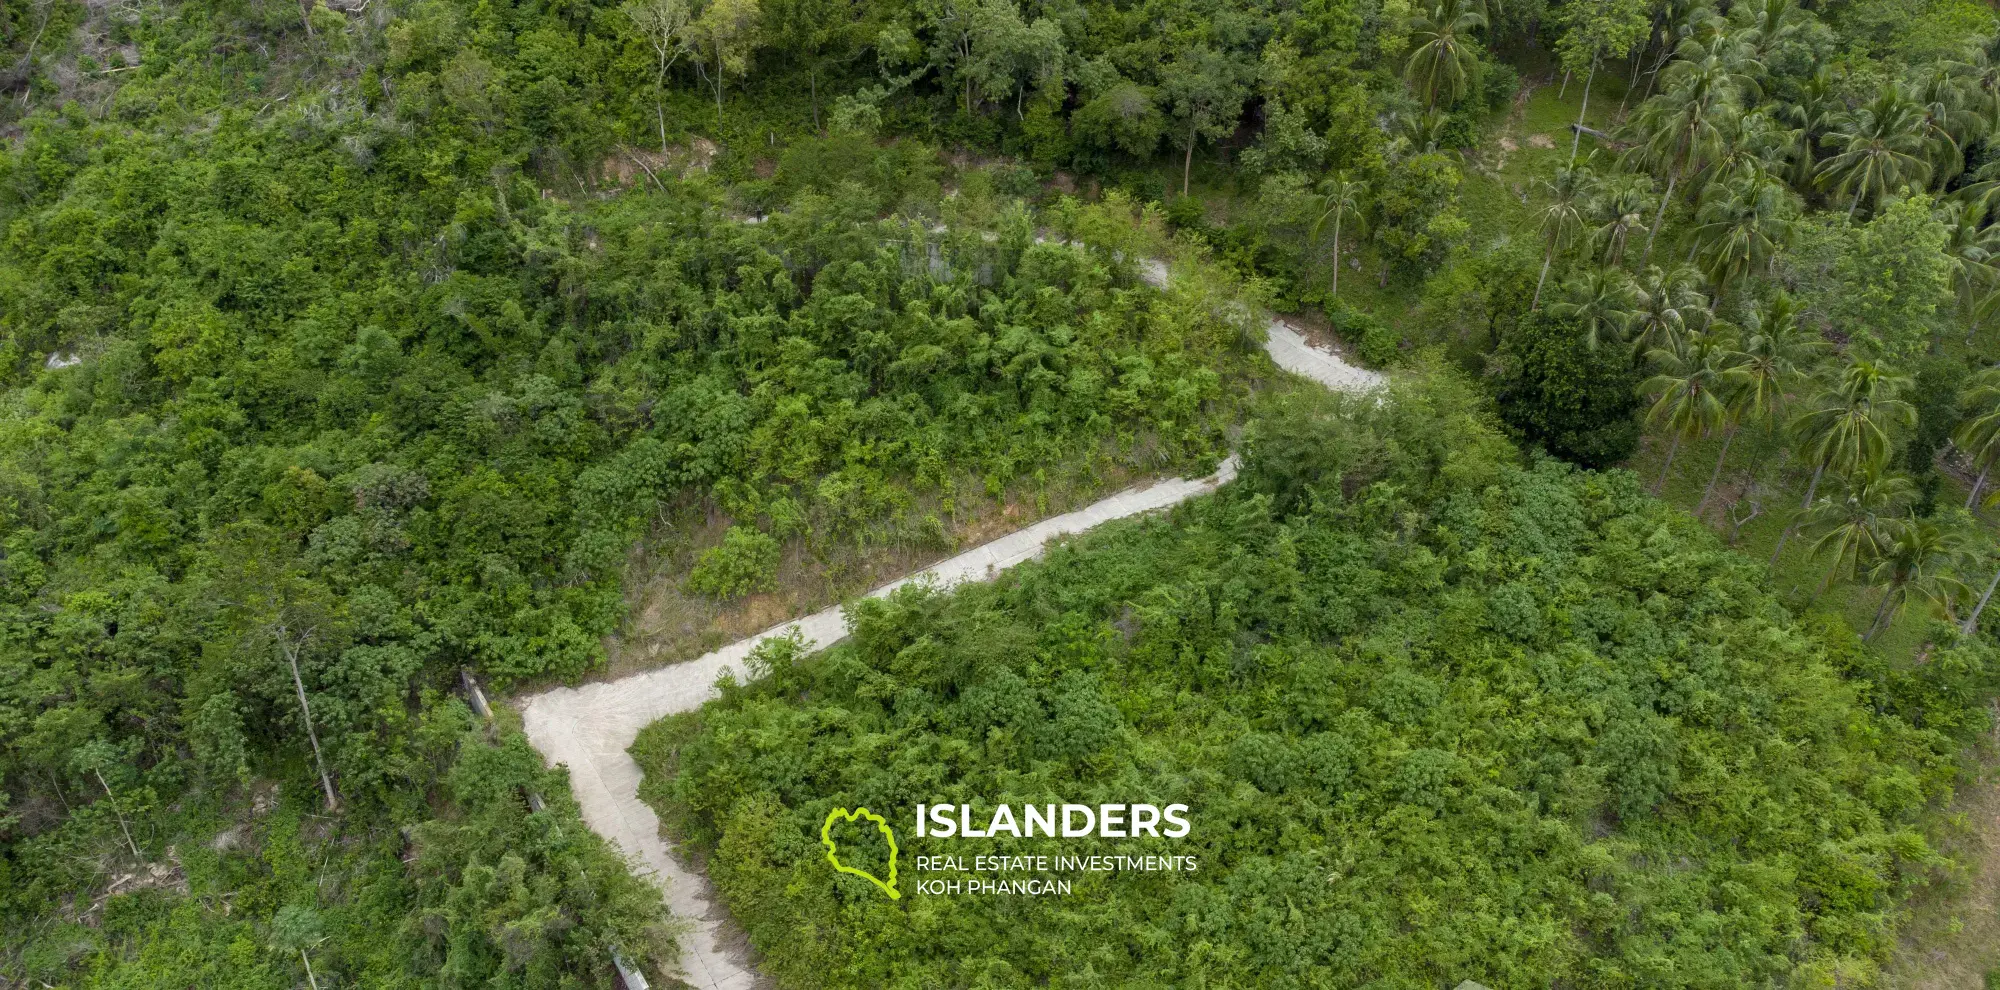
(832, 849)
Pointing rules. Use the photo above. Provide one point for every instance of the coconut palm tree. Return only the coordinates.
(1881, 148)
(1443, 63)
(1667, 306)
(1618, 203)
(1809, 118)
(1855, 527)
(1978, 433)
(1972, 620)
(1561, 220)
(1762, 25)
(1676, 132)
(1972, 246)
(1981, 79)
(1681, 21)
(1921, 560)
(1774, 354)
(1848, 425)
(1946, 118)
(1340, 200)
(1743, 228)
(1421, 131)
(1601, 300)
(1749, 146)
(1689, 393)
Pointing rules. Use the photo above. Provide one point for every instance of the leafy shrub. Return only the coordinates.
(1498, 82)
(1377, 343)
(1187, 213)
(745, 561)
(1558, 394)
(1585, 774)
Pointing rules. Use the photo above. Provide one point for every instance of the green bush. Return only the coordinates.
(1434, 721)
(1377, 343)
(1498, 83)
(1576, 403)
(746, 561)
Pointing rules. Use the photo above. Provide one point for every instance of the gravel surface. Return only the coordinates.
(591, 727)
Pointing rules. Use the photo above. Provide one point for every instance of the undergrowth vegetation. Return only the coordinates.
(1438, 714)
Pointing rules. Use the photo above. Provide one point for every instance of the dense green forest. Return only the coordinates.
(349, 347)
(1437, 715)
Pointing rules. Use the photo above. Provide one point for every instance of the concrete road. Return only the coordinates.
(589, 728)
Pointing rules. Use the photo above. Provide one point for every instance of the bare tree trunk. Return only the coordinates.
(812, 77)
(305, 708)
(660, 106)
(1576, 137)
(120, 812)
(1880, 610)
(1546, 259)
(1977, 484)
(1736, 525)
(1811, 490)
(1666, 54)
(310, 979)
(1336, 256)
(1187, 164)
(1826, 580)
(1727, 439)
(1632, 74)
(1972, 621)
(1668, 468)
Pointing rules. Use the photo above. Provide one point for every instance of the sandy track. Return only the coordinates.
(591, 727)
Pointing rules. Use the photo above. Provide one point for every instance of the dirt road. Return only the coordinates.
(590, 728)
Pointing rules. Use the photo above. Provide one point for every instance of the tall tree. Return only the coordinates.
(1978, 434)
(1012, 55)
(281, 614)
(1560, 220)
(1893, 281)
(1676, 132)
(1444, 62)
(1689, 393)
(1743, 228)
(1921, 559)
(1945, 116)
(723, 36)
(1618, 203)
(1972, 618)
(664, 25)
(1971, 247)
(1594, 30)
(1849, 426)
(1763, 25)
(1204, 89)
(1774, 354)
(1340, 199)
(1855, 528)
(1667, 306)
(820, 34)
(1601, 301)
(1881, 148)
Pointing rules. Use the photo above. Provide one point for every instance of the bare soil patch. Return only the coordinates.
(670, 624)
